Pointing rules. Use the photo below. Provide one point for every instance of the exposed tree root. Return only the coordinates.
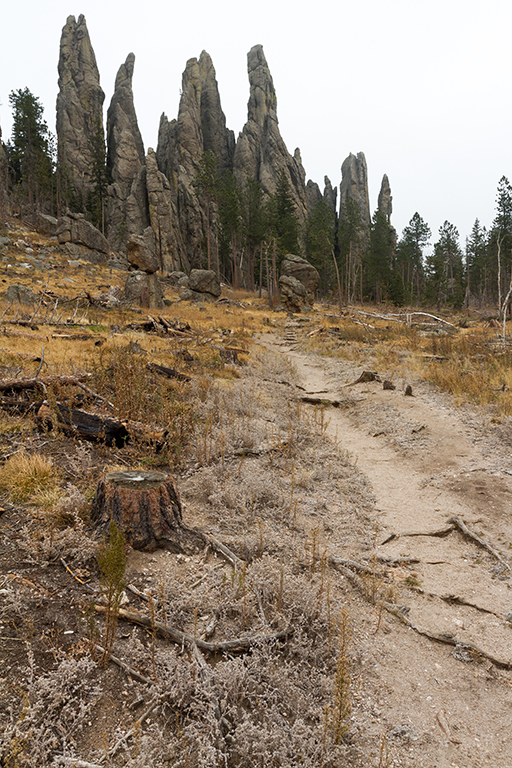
(181, 638)
(461, 525)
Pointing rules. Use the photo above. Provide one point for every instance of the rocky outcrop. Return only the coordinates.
(143, 290)
(81, 239)
(260, 150)
(298, 283)
(79, 111)
(385, 202)
(199, 128)
(169, 248)
(354, 187)
(125, 158)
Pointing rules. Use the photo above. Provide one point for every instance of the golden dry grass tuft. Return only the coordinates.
(29, 478)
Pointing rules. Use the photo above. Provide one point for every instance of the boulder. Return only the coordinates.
(46, 225)
(294, 295)
(143, 290)
(140, 251)
(21, 293)
(301, 270)
(175, 277)
(74, 228)
(204, 281)
(189, 295)
(298, 283)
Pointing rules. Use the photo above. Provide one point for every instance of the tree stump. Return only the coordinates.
(147, 508)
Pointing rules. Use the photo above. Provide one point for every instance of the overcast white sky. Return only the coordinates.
(422, 87)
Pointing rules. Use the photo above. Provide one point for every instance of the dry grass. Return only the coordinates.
(31, 478)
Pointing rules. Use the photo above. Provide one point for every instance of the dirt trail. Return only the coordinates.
(457, 589)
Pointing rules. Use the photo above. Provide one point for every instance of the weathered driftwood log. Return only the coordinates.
(147, 508)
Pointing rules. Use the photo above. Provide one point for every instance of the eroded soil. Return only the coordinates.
(427, 463)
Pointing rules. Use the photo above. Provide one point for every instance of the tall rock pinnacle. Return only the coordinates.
(354, 186)
(125, 156)
(385, 202)
(260, 151)
(199, 128)
(79, 109)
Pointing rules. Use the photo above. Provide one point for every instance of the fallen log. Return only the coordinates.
(89, 426)
(14, 385)
(168, 373)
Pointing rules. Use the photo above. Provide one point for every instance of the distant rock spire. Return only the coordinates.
(330, 194)
(79, 108)
(385, 202)
(200, 127)
(354, 186)
(260, 151)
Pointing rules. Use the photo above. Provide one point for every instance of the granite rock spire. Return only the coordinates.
(79, 111)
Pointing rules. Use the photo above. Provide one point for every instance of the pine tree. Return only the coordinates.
(500, 239)
(283, 218)
(320, 242)
(30, 151)
(410, 258)
(444, 269)
(97, 196)
(230, 227)
(378, 262)
(353, 244)
(207, 185)
(478, 270)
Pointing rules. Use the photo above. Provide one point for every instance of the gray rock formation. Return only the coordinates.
(143, 290)
(385, 202)
(79, 110)
(330, 194)
(293, 294)
(169, 248)
(313, 195)
(260, 150)
(45, 224)
(125, 158)
(200, 128)
(298, 283)
(141, 252)
(204, 281)
(81, 238)
(354, 186)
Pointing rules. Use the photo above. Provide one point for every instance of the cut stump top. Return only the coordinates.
(137, 479)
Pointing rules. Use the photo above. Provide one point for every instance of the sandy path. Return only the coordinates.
(463, 592)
